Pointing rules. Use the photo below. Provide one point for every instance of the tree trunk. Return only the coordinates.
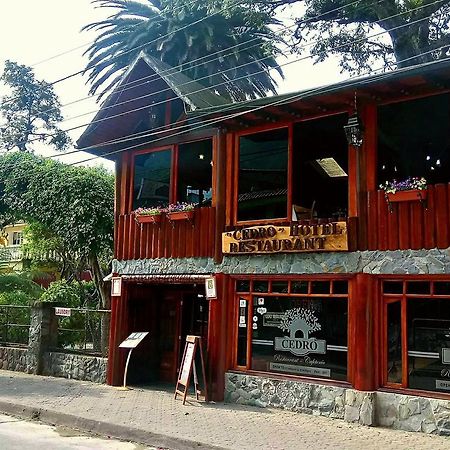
(104, 290)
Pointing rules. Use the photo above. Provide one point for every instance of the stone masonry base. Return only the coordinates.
(398, 411)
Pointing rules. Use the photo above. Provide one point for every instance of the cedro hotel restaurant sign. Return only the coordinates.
(328, 236)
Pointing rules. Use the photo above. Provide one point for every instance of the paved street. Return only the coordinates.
(16, 434)
(156, 419)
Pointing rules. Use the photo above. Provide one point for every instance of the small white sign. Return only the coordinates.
(66, 312)
(446, 356)
(261, 301)
(210, 286)
(134, 339)
(116, 286)
(242, 319)
(255, 326)
(242, 303)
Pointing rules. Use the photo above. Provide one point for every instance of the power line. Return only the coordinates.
(264, 70)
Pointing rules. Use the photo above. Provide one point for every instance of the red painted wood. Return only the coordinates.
(429, 220)
(382, 221)
(442, 216)
(372, 232)
(393, 228)
(178, 239)
(416, 225)
(361, 333)
(403, 226)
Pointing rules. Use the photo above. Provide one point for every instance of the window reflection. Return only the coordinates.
(263, 162)
(151, 185)
(194, 184)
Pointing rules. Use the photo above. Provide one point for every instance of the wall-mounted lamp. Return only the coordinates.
(354, 130)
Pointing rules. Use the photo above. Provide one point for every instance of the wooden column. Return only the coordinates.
(117, 333)
(220, 166)
(363, 351)
(217, 341)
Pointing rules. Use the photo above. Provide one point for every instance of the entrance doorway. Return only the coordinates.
(169, 314)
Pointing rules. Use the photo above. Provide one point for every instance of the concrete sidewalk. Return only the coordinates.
(153, 417)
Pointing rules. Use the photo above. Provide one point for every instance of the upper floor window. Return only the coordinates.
(17, 238)
(182, 173)
(414, 140)
(263, 175)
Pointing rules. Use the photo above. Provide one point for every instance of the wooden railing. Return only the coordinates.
(177, 239)
(410, 225)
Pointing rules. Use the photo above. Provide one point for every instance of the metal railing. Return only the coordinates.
(14, 325)
(84, 331)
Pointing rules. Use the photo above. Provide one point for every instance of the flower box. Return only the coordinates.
(409, 195)
(148, 218)
(180, 215)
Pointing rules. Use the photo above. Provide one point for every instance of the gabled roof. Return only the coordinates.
(190, 91)
(371, 83)
(133, 98)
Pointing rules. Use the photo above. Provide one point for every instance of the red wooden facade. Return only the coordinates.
(373, 224)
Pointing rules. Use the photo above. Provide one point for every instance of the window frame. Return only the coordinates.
(261, 129)
(174, 148)
(403, 298)
(248, 296)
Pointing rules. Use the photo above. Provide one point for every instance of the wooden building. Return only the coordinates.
(330, 297)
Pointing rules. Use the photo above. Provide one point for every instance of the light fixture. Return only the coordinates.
(354, 129)
(201, 156)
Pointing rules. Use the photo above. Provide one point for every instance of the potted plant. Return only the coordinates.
(411, 189)
(180, 211)
(148, 215)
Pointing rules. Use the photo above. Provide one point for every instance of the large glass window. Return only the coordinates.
(294, 333)
(418, 336)
(263, 181)
(194, 183)
(152, 179)
(414, 140)
(154, 176)
(320, 168)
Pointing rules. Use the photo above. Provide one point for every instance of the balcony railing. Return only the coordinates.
(11, 253)
(177, 239)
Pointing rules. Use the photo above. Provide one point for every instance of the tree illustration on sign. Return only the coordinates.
(299, 319)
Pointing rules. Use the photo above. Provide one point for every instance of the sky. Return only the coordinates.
(32, 31)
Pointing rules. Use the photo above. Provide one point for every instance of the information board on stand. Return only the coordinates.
(188, 367)
(130, 343)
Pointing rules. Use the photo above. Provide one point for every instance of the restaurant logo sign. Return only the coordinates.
(299, 323)
(328, 236)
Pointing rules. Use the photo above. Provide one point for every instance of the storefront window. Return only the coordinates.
(263, 182)
(295, 334)
(418, 337)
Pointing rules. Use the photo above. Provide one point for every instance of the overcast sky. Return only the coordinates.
(33, 30)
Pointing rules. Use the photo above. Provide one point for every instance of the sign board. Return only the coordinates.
(188, 367)
(66, 312)
(116, 286)
(210, 286)
(296, 238)
(134, 339)
(446, 356)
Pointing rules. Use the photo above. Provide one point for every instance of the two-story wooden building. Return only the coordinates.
(330, 298)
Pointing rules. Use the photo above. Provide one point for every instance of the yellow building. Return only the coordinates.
(11, 240)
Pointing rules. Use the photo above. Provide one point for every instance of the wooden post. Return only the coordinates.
(362, 333)
(220, 174)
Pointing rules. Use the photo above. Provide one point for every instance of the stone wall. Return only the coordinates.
(13, 358)
(77, 367)
(386, 409)
(434, 261)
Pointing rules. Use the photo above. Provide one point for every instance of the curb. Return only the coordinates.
(105, 429)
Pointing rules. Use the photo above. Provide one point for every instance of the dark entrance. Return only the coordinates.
(169, 314)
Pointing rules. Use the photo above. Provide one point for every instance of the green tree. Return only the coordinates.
(75, 205)
(343, 28)
(161, 28)
(31, 113)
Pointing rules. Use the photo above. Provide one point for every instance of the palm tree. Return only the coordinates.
(161, 28)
